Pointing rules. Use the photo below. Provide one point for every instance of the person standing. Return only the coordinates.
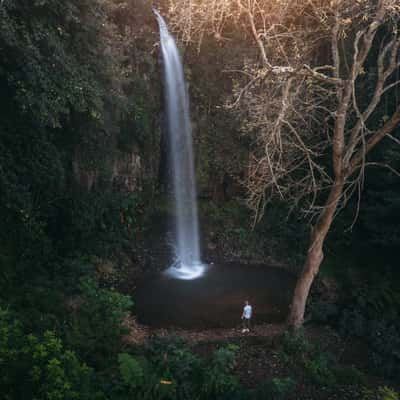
(246, 316)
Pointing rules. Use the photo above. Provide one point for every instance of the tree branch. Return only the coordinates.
(389, 126)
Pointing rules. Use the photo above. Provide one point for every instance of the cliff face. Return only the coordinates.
(126, 172)
(122, 152)
(137, 150)
(132, 135)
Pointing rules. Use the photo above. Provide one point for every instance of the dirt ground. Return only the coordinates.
(139, 333)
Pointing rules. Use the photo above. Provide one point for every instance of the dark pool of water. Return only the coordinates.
(216, 299)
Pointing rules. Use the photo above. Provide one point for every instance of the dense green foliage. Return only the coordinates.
(363, 263)
(62, 112)
(58, 91)
(98, 326)
(62, 116)
(169, 370)
(39, 367)
(79, 114)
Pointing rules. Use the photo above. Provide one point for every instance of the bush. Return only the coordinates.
(374, 317)
(11, 341)
(175, 363)
(320, 369)
(131, 370)
(382, 337)
(218, 382)
(192, 378)
(382, 393)
(353, 323)
(140, 381)
(40, 367)
(295, 344)
(160, 347)
(385, 348)
(275, 389)
(97, 327)
(349, 375)
(324, 311)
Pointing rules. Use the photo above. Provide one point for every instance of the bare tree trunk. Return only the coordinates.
(315, 256)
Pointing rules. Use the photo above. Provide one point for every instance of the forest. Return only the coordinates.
(294, 200)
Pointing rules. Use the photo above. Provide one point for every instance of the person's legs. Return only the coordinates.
(247, 323)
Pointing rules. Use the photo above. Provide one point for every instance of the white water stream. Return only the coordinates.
(188, 264)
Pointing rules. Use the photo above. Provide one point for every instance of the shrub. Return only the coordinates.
(382, 337)
(174, 362)
(349, 375)
(224, 358)
(194, 379)
(385, 348)
(55, 373)
(97, 327)
(320, 369)
(131, 370)
(40, 367)
(275, 389)
(139, 380)
(159, 347)
(382, 393)
(353, 323)
(323, 311)
(218, 382)
(374, 317)
(10, 343)
(295, 343)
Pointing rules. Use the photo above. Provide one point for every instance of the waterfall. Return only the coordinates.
(187, 264)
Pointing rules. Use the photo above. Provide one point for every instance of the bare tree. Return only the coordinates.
(304, 101)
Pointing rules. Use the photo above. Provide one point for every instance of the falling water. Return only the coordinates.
(188, 264)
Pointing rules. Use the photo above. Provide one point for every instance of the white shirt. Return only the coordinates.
(247, 311)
